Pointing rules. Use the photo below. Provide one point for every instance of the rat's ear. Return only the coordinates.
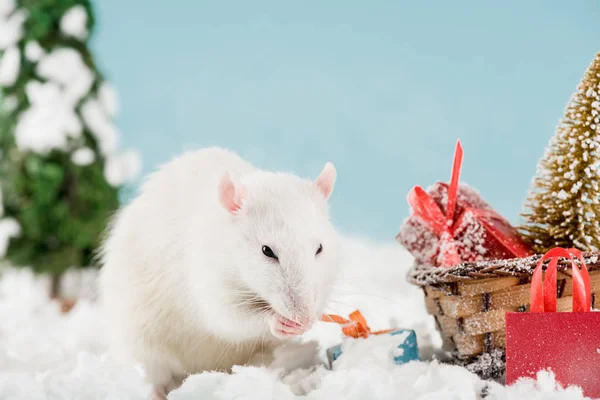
(231, 193)
(326, 180)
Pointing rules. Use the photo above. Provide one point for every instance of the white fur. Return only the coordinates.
(176, 263)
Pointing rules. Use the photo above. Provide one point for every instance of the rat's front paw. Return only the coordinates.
(283, 328)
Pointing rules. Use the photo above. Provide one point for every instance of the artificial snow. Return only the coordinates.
(562, 195)
(65, 67)
(109, 99)
(73, 23)
(11, 24)
(83, 156)
(100, 124)
(545, 387)
(9, 228)
(33, 51)
(9, 66)
(47, 355)
(49, 121)
(123, 167)
(7, 7)
(378, 350)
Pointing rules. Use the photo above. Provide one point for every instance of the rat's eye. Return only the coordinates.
(268, 252)
(320, 249)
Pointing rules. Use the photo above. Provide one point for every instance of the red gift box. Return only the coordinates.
(568, 343)
(451, 223)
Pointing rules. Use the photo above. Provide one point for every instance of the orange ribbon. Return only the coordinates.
(356, 326)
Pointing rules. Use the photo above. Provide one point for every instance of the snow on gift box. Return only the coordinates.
(399, 345)
(451, 223)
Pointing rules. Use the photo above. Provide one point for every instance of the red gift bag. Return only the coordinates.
(568, 343)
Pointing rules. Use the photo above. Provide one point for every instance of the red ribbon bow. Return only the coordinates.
(443, 225)
(426, 208)
(543, 297)
(355, 327)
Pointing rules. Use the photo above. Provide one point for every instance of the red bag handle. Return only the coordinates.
(543, 297)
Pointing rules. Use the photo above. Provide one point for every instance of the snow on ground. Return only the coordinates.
(47, 356)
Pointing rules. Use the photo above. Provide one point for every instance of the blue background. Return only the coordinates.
(383, 90)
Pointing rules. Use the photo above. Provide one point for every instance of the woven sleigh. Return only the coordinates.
(469, 302)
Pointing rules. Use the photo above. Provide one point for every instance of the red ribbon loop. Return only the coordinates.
(428, 210)
(543, 297)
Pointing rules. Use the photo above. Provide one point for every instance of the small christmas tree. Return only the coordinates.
(563, 208)
(60, 168)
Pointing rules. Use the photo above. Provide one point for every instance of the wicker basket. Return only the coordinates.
(469, 301)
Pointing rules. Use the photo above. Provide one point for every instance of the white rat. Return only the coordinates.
(214, 261)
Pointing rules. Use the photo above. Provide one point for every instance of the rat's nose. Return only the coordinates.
(299, 307)
(302, 316)
(303, 319)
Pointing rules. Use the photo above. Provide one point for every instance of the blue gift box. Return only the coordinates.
(409, 346)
